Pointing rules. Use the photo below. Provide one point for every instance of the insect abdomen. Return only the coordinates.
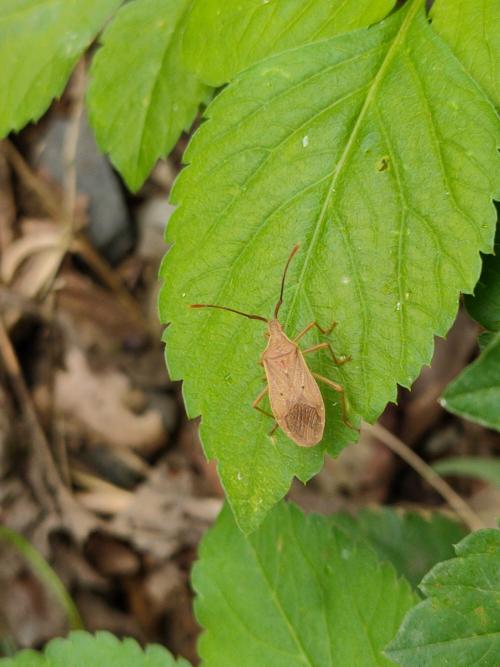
(305, 423)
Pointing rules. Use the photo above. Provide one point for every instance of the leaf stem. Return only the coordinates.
(456, 502)
(45, 573)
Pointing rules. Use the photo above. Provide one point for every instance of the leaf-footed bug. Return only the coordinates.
(294, 395)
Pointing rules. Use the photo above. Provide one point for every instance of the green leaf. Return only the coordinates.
(294, 593)
(486, 469)
(412, 542)
(485, 339)
(472, 29)
(103, 649)
(459, 623)
(484, 306)
(40, 42)
(238, 33)
(364, 148)
(45, 573)
(141, 96)
(475, 393)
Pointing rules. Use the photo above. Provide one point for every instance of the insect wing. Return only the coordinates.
(295, 398)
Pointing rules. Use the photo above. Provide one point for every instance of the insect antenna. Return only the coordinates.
(231, 310)
(280, 300)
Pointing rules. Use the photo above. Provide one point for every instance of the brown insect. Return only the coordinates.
(294, 394)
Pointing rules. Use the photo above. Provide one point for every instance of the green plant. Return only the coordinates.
(309, 590)
(471, 466)
(82, 649)
(45, 573)
(459, 622)
(370, 135)
(380, 158)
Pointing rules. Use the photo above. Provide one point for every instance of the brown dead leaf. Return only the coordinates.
(7, 203)
(6, 432)
(99, 495)
(95, 400)
(97, 615)
(117, 465)
(95, 313)
(111, 557)
(160, 587)
(31, 261)
(28, 611)
(156, 519)
(71, 566)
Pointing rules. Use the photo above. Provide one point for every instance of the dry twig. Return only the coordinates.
(48, 488)
(79, 243)
(456, 502)
(41, 449)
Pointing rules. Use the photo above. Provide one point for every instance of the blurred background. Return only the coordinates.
(99, 468)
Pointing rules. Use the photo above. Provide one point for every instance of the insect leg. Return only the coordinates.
(343, 402)
(326, 346)
(327, 331)
(255, 404)
(302, 333)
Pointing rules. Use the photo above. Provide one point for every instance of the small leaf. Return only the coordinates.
(475, 393)
(103, 649)
(291, 151)
(237, 33)
(296, 593)
(483, 468)
(472, 29)
(484, 306)
(40, 42)
(141, 96)
(459, 623)
(412, 542)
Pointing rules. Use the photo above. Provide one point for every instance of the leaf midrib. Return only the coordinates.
(280, 609)
(407, 21)
(154, 90)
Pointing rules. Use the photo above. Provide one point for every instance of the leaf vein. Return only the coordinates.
(281, 611)
(296, 86)
(437, 147)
